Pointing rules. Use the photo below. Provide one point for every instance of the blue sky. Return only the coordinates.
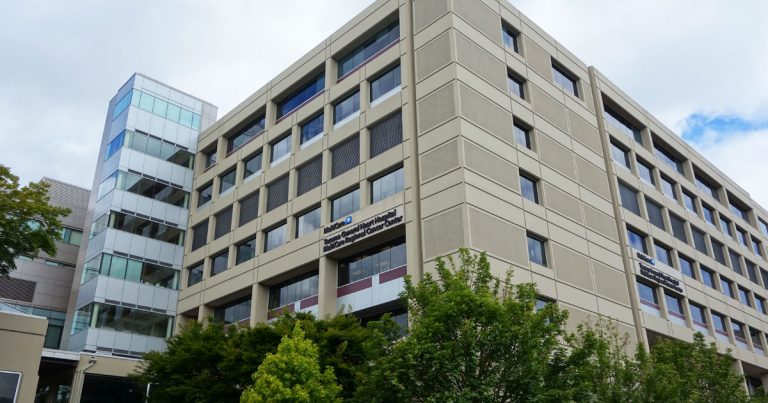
(722, 127)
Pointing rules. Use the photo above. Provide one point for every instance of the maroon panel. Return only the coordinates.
(393, 274)
(354, 287)
(307, 302)
(279, 311)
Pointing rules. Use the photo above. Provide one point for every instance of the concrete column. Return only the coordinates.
(328, 280)
(259, 303)
(204, 313)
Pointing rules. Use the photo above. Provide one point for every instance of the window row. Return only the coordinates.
(131, 270)
(144, 185)
(154, 146)
(71, 236)
(122, 319)
(138, 225)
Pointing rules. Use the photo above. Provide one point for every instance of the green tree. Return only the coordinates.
(293, 375)
(28, 223)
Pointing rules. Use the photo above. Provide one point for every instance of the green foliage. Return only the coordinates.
(28, 223)
(293, 375)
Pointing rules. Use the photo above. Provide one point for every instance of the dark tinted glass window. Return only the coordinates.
(386, 82)
(302, 95)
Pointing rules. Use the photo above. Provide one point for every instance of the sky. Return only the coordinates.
(698, 65)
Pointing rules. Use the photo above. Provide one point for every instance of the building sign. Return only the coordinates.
(645, 258)
(661, 278)
(351, 233)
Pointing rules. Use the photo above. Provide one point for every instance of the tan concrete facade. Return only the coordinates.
(462, 166)
(21, 343)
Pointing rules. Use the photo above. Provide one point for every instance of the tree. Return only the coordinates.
(28, 223)
(293, 375)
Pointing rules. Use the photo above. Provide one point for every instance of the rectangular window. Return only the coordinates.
(678, 227)
(760, 304)
(742, 236)
(628, 198)
(369, 49)
(387, 185)
(277, 192)
(377, 260)
(699, 317)
(619, 155)
(294, 290)
(529, 187)
(515, 84)
(636, 240)
(663, 254)
(386, 133)
(689, 201)
(726, 286)
(699, 242)
(345, 156)
(744, 297)
(252, 165)
(308, 222)
(246, 250)
(234, 312)
(195, 274)
(144, 186)
(755, 246)
(510, 37)
(145, 227)
(311, 129)
(219, 263)
(649, 301)
(210, 157)
(281, 150)
(345, 204)
(223, 223)
(725, 226)
(620, 122)
(708, 213)
(686, 266)
(71, 236)
(668, 187)
(565, 79)
(301, 96)
(718, 322)
(717, 251)
(737, 208)
(385, 84)
(707, 277)
(757, 343)
(738, 334)
(244, 135)
(735, 261)
(522, 135)
(114, 145)
(751, 271)
(204, 194)
(537, 250)
(763, 227)
(675, 308)
(200, 235)
(667, 157)
(227, 181)
(275, 237)
(705, 186)
(347, 108)
(655, 213)
(249, 208)
(645, 171)
(309, 175)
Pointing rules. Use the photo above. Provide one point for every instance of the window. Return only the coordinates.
(246, 250)
(738, 334)
(71, 236)
(737, 208)
(726, 286)
(312, 129)
(219, 263)
(621, 123)
(277, 192)
(380, 259)
(636, 240)
(742, 237)
(369, 49)
(735, 261)
(195, 274)
(645, 171)
(725, 226)
(235, 312)
(510, 37)
(160, 107)
(686, 266)
(385, 84)
(386, 133)
(308, 222)
(345, 204)
(667, 157)
(718, 322)
(537, 250)
(515, 84)
(345, 156)
(699, 242)
(717, 251)
(649, 301)
(294, 290)
(655, 213)
(757, 343)
(663, 254)
(347, 108)
(619, 155)
(744, 297)
(309, 175)
(678, 228)
(251, 131)
(522, 135)
(302, 95)
(204, 194)
(760, 304)
(223, 223)
(707, 277)
(227, 181)
(115, 145)
(200, 235)
(249, 208)
(210, 157)
(698, 317)
(629, 198)
(705, 186)
(755, 247)
(281, 150)
(668, 187)
(751, 271)
(387, 185)
(763, 227)
(689, 201)
(139, 226)
(252, 165)
(145, 186)
(529, 187)
(675, 311)
(565, 79)
(708, 213)
(275, 237)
